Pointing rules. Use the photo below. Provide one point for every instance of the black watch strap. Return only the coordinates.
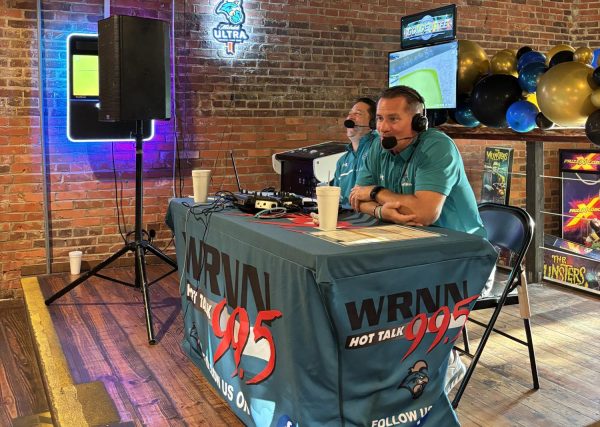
(374, 192)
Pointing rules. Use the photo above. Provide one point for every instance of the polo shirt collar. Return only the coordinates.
(365, 139)
(406, 153)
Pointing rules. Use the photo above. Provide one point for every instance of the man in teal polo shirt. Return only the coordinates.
(420, 179)
(360, 129)
(416, 176)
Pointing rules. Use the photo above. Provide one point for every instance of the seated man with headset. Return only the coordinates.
(360, 129)
(416, 176)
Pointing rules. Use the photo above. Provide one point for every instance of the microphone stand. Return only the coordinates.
(139, 247)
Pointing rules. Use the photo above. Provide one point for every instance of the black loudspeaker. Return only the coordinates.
(134, 68)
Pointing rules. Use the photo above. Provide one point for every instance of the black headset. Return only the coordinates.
(372, 111)
(419, 121)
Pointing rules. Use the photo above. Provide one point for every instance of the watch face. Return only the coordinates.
(374, 192)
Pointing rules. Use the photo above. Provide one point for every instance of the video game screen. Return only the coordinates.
(85, 76)
(430, 70)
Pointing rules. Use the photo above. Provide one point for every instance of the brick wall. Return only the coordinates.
(289, 85)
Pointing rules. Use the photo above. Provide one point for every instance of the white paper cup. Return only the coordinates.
(328, 201)
(200, 180)
(75, 261)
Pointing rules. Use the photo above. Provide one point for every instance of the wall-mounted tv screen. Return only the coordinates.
(85, 76)
(430, 70)
(432, 26)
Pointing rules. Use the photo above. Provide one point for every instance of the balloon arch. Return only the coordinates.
(524, 89)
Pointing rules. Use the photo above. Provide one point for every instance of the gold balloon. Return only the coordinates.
(532, 97)
(564, 93)
(472, 64)
(585, 55)
(557, 49)
(504, 63)
(595, 98)
(512, 52)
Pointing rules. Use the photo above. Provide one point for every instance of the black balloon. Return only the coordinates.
(559, 57)
(491, 98)
(596, 76)
(592, 127)
(522, 51)
(437, 117)
(543, 122)
(463, 99)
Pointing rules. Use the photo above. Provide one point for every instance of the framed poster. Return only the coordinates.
(497, 168)
(580, 173)
(571, 264)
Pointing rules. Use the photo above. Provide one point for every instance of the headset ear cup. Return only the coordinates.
(419, 123)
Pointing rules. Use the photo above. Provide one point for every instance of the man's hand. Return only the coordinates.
(390, 211)
(360, 194)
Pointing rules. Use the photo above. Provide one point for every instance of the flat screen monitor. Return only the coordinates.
(429, 27)
(85, 76)
(430, 70)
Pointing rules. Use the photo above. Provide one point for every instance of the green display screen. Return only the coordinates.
(85, 75)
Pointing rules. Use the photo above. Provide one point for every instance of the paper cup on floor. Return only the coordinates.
(200, 180)
(75, 261)
(328, 201)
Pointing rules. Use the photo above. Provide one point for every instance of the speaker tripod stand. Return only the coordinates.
(139, 247)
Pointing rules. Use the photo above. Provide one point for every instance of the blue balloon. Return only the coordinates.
(464, 116)
(530, 57)
(530, 74)
(521, 115)
(594, 63)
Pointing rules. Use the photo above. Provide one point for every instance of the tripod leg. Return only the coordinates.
(141, 280)
(87, 274)
(161, 255)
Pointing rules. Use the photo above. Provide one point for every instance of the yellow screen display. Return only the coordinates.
(85, 75)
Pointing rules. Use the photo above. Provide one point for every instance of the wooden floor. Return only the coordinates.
(101, 329)
(21, 388)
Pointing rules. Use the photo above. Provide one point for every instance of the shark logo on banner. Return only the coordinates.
(230, 32)
(417, 379)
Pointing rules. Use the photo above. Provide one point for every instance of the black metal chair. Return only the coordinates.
(510, 230)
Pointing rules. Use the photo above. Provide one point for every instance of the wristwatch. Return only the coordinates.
(374, 192)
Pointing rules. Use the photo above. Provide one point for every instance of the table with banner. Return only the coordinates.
(296, 328)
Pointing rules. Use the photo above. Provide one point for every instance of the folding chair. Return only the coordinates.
(509, 228)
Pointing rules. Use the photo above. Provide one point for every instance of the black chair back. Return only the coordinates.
(510, 228)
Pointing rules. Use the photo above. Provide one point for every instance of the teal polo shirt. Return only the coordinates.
(433, 163)
(348, 166)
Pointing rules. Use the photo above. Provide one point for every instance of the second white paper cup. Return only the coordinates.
(328, 201)
(200, 180)
(75, 261)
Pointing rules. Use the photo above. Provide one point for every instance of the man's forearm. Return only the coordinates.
(425, 205)
(406, 200)
(368, 207)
